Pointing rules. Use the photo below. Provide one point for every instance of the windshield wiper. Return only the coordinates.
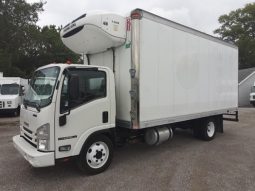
(37, 106)
(33, 104)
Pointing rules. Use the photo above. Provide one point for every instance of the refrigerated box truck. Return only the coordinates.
(12, 90)
(145, 75)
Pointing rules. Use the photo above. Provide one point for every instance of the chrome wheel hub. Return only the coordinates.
(97, 155)
(210, 129)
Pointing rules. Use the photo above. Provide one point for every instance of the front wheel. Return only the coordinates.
(96, 155)
(16, 112)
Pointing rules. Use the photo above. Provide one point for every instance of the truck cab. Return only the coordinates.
(64, 106)
(70, 110)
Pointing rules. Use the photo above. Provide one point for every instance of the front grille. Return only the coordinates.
(31, 143)
(29, 135)
(30, 138)
(26, 129)
(2, 104)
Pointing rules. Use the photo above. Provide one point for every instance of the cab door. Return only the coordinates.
(82, 112)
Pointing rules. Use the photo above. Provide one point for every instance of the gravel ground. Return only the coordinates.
(185, 163)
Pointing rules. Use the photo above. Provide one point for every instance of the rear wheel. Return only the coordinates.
(96, 155)
(206, 129)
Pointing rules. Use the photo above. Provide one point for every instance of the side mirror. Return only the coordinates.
(73, 85)
(22, 91)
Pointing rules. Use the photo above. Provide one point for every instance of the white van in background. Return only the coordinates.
(12, 90)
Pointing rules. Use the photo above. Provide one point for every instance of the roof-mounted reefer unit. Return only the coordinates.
(95, 33)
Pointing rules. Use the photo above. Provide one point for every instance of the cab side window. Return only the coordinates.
(92, 86)
(64, 96)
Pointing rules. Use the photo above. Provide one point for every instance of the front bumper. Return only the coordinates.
(30, 153)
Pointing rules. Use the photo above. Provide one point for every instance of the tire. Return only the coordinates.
(16, 112)
(205, 129)
(208, 129)
(173, 129)
(96, 155)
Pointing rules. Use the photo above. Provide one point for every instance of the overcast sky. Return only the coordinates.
(199, 14)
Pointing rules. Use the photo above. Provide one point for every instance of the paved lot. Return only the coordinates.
(226, 163)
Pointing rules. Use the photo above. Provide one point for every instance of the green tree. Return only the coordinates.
(44, 47)
(53, 49)
(24, 46)
(16, 18)
(239, 27)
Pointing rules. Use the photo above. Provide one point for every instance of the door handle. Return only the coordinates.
(62, 119)
(105, 117)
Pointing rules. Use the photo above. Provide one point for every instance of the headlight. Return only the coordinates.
(9, 102)
(43, 137)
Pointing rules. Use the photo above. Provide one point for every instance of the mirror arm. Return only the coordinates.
(68, 112)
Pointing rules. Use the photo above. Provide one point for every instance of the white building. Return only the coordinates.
(246, 79)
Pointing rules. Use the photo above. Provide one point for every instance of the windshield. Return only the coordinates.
(10, 89)
(41, 87)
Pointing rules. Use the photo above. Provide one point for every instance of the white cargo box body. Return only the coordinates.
(183, 73)
(166, 72)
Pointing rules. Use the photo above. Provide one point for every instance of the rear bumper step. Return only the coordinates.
(231, 116)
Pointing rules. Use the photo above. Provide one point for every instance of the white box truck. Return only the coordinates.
(12, 90)
(145, 75)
